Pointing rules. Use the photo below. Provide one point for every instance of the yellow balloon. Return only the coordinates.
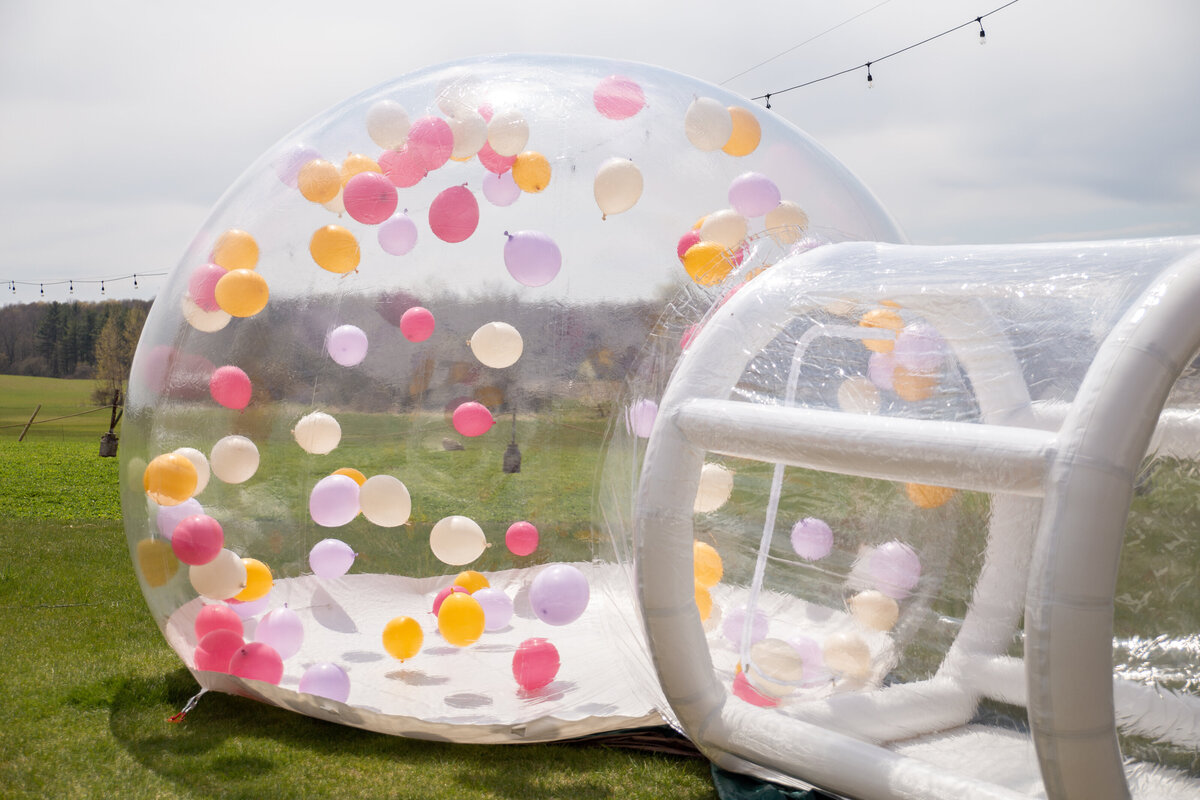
(531, 171)
(319, 180)
(352, 473)
(334, 248)
(472, 581)
(881, 318)
(236, 250)
(242, 293)
(156, 561)
(258, 581)
(460, 619)
(170, 479)
(707, 564)
(402, 637)
(913, 386)
(707, 262)
(356, 163)
(747, 133)
(704, 602)
(924, 496)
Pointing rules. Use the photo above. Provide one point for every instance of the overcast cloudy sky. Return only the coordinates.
(124, 121)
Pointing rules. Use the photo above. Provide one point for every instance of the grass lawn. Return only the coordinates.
(87, 682)
(59, 419)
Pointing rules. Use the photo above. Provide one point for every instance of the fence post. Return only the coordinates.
(24, 431)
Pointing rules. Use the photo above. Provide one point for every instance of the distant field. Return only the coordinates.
(59, 397)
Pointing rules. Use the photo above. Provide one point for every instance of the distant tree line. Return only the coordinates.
(72, 340)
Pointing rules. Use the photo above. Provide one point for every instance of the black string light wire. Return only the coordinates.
(867, 65)
(70, 282)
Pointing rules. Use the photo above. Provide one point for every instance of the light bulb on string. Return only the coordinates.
(71, 287)
(135, 280)
(768, 101)
(982, 32)
(101, 287)
(870, 80)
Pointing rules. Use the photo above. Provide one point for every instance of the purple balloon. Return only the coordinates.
(334, 501)
(639, 418)
(736, 620)
(532, 257)
(398, 235)
(501, 190)
(282, 630)
(331, 558)
(753, 195)
(559, 594)
(347, 345)
(919, 348)
(170, 516)
(326, 680)
(250, 608)
(815, 672)
(812, 538)
(880, 369)
(289, 163)
(893, 568)
(497, 608)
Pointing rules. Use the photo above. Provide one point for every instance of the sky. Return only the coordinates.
(124, 122)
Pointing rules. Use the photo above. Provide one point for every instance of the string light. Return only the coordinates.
(870, 80)
(982, 32)
(137, 278)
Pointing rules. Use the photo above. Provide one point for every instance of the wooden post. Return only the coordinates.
(21, 438)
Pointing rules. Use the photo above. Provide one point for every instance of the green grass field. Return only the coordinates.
(87, 682)
(60, 418)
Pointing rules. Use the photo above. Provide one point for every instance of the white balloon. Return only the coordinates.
(497, 345)
(201, 320)
(234, 459)
(858, 396)
(317, 433)
(875, 610)
(457, 540)
(388, 124)
(200, 462)
(847, 654)
(221, 578)
(618, 186)
(726, 227)
(470, 133)
(716, 485)
(508, 133)
(708, 124)
(776, 668)
(337, 205)
(385, 501)
(786, 215)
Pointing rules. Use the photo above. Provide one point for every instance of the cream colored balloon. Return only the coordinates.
(497, 345)
(716, 485)
(726, 227)
(388, 124)
(384, 500)
(775, 667)
(508, 133)
(618, 186)
(848, 655)
(317, 433)
(470, 133)
(875, 610)
(221, 578)
(787, 222)
(234, 459)
(858, 396)
(457, 540)
(337, 205)
(708, 124)
(200, 462)
(201, 320)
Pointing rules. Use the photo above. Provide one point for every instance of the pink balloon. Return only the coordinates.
(688, 335)
(289, 163)
(402, 167)
(331, 558)
(532, 257)
(500, 190)
(497, 608)
(333, 501)
(170, 516)
(559, 594)
(326, 680)
(535, 664)
(398, 235)
(472, 419)
(812, 539)
(744, 691)
(441, 596)
(202, 285)
(736, 620)
(370, 198)
(919, 348)
(752, 194)
(493, 162)
(257, 662)
(893, 568)
(618, 97)
(347, 345)
(230, 387)
(881, 369)
(521, 538)
(454, 214)
(282, 630)
(215, 617)
(431, 141)
(685, 243)
(197, 540)
(417, 324)
(216, 648)
(639, 418)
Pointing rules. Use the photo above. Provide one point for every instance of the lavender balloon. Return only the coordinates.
(559, 594)
(347, 345)
(812, 538)
(639, 418)
(282, 630)
(532, 257)
(753, 195)
(501, 190)
(497, 608)
(330, 558)
(919, 348)
(893, 568)
(736, 621)
(326, 680)
(881, 370)
(398, 235)
(334, 501)
(170, 516)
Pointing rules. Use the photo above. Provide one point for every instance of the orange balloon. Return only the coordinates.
(531, 171)
(170, 479)
(472, 581)
(334, 248)
(913, 386)
(242, 293)
(402, 637)
(319, 181)
(236, 249)
(156, 561)
(747, 133)
(352, 473)
(706, 564)
(707, 262)
(881, 318)
(258, 581)
(460, 619)
(704, 602)
(924, 496)
(356, 163)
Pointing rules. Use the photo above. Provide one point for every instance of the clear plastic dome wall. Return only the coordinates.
(384, 370)
(880, 511)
